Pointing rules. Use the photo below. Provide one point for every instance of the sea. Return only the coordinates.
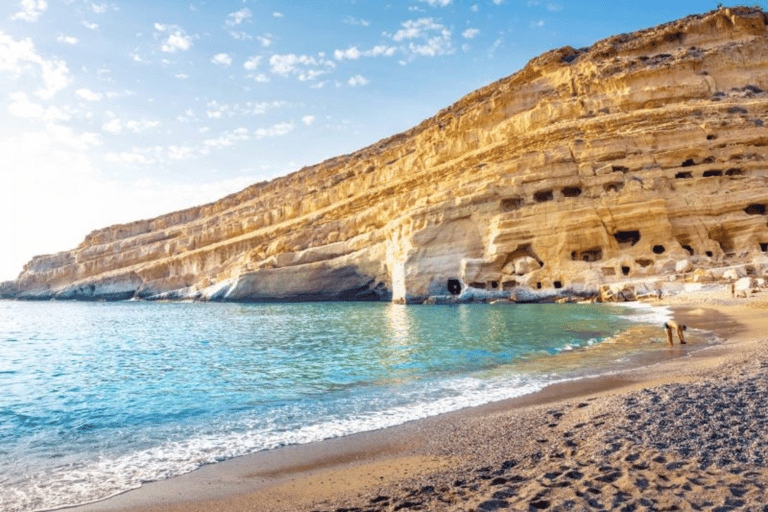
(98, 398)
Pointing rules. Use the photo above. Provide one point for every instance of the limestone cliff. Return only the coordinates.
(643, 155)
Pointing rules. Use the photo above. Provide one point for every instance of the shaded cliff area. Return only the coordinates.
(643, 157)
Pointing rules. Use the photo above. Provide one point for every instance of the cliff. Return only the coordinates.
(643, 156)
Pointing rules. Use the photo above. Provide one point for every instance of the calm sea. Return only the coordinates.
(97, 398)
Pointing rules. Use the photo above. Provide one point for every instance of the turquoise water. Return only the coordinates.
(98, 398)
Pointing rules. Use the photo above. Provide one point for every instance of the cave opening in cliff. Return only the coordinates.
(478, 285)
(619, 168)
(613, 187)
(764, 247)
(627, 238)
(511, 204)
(644, 262)
(454, 286)
(683, 175)
(508, 285)
(523, 251)
(720, 235)
(709, 254)
(571, 192)
(558, 284)
(658, 249)
(712, 173)
(589, 255)
(689, 249)
(755, 209)
(734, 172)
(494, 285)
(625, 270)
(688, 163)
(543, 196)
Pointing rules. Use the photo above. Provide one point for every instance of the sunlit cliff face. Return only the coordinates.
(587, 167)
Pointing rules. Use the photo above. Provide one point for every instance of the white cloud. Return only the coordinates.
(495, 46)
(414, 29)
(554, 7)
(425, 37)
(240, 36)
(181, 76)
(470, 33)
(308, 120)
(89, 95)
(228, 139)
(89, 25)
(437, 3)
(537, 24)
(113, 126)
(67, 39)
(134, 157)
(181, 152)
(222, 59)
(236, 18)
(266, 41)
(358, 80)
(260, 77)
(278, 15)
(252, 63)
(349, 20)
(99, 8)
(55, 76)
(303, 66)
(277, 130)
(22, 107)
(177, 39)
(353, 53)
(54, 73)
(31, 10)
(141, 126)
(216, 110)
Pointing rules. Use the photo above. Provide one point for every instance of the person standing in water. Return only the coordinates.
(672, 325)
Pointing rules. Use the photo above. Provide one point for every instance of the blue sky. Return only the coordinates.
(120, 110)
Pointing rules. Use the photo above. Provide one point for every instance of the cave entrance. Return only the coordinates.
(454, 286)
(627, 238)
(720, 235)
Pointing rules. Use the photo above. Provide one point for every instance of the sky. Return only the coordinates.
(120, 110)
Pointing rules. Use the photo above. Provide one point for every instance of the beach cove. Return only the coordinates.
(683, 434)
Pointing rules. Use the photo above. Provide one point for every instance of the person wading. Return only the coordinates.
(672, 325)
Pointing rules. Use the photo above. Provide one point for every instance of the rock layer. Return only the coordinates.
(643, 156)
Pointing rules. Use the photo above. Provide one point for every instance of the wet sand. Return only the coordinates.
(688, 433)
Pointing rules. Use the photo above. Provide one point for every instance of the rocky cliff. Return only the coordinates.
(643, 156)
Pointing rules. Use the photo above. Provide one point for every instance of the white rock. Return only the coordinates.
(683, 266)
(525, 265)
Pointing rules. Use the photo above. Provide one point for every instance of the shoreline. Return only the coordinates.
(420, 462)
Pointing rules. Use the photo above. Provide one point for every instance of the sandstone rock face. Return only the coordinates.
(588, 167)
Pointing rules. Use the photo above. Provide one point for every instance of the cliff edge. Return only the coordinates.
(642, 157)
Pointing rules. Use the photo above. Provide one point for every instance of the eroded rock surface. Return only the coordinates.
(585, 168)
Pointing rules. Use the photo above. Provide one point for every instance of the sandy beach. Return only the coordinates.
(687, 433)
